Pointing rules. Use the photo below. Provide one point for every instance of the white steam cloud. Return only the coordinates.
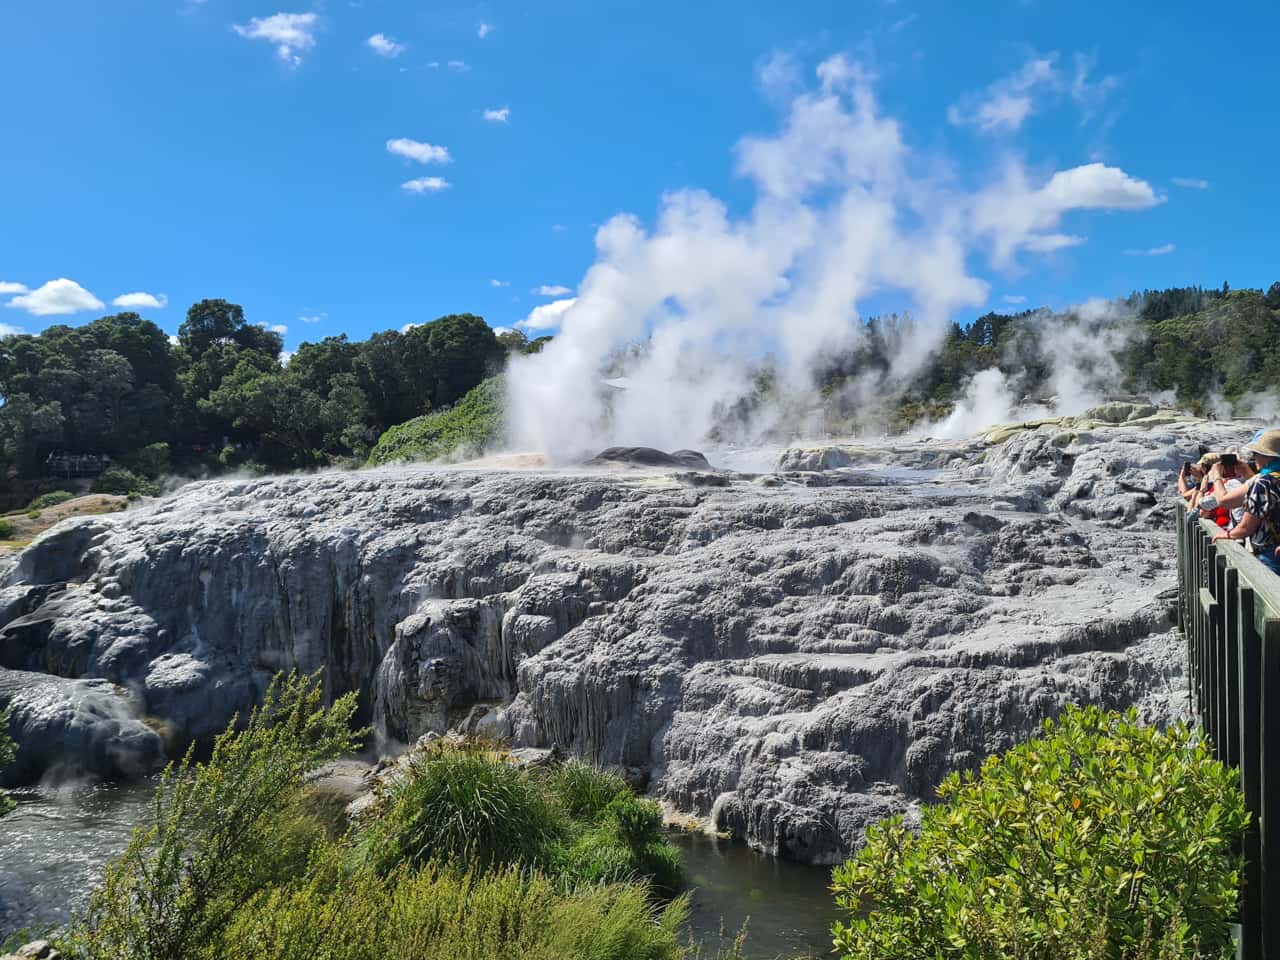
(843, 211)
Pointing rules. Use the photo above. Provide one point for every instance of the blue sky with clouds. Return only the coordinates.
(347, 166)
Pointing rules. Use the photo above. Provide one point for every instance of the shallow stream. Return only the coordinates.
(54, 845)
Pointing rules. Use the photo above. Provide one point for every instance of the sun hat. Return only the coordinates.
(1267, 444)
(1208, 460)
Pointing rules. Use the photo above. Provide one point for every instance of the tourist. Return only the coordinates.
(1261, 521)
(1223, 487)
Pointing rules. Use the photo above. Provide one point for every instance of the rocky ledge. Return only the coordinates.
(788, 656)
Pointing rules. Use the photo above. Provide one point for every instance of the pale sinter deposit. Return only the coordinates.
(790, 656)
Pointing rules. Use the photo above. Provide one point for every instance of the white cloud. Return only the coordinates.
(173, 340)
(484, 30)
(1009, 101)
(1159, 251)
(1014, 298)
(285, 357)
(8, 287)
(290, 32)
(8, 330)
(416, 150)
(499, 331)
(899, 25)
(500, 115)
(1191, 183)
(458, 66)
(384, 46)
(57, 297)
(149, 301)
(499, 283)
(425, 185)
(279, 328)
(551, 290)
(558, 228)
(548, 316)
(314, 319)
(409, 326)
(1014, 215)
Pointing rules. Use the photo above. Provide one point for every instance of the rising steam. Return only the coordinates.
(843, 210)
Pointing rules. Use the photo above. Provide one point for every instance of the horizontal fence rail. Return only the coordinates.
(1229, 611)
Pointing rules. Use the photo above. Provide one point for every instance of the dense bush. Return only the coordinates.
(246, 859)
(6, 529)
(51, 499)
(224, 832)
(462, 430)
(465, 806)
(121, 481)
(1104, 839)
(442, 912)
(628, 844)
(584, 790)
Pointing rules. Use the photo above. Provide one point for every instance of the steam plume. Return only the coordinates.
(843, 210)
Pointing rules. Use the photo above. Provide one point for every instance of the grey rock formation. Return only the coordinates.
(789, 656)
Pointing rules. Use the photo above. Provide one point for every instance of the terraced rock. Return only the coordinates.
(789, 656)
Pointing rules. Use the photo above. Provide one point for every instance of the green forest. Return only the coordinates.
(218, 397)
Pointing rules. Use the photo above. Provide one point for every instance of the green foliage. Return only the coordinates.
(628, 844)
(463, 430)
(463, 805)
(121, 481)
(443, 912)
(8, 750)
(584, 790)
(6, 529)
(224, 832)
(1104, 839)
(51, 499)
(152, 461)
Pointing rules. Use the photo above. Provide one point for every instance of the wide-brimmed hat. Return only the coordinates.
(1267, 444)
(1208, 460)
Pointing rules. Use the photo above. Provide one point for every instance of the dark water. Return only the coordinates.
(54, 845)
(786, 906)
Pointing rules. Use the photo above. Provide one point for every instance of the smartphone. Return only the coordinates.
(1229, 460)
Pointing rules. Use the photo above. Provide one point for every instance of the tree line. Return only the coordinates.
(218, 394)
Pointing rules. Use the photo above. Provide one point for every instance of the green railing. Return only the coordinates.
(1229, 611)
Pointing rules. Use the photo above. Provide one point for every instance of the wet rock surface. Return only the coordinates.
(790, 656)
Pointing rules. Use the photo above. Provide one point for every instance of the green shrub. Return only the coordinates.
(584, 790)
(120, 481)
(151, 461)
(463, 805)
(6, 529)
(1104, 839)
(224, 831)
(629, 844)
(469, 426)
(443, 912)
(51, 499)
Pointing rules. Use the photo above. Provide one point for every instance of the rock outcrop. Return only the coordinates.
(789, 656)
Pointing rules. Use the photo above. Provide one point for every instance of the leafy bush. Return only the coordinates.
(151, 461)
(121, 481)
(584, 790)
(467, 806)
(464, 429)
(224, 831)
(7, 752)
(628, 845)
(6, 529)
(51, 499)
(1104, 839)
(444, 912)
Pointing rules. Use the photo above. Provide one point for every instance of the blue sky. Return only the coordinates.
(259, 152)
